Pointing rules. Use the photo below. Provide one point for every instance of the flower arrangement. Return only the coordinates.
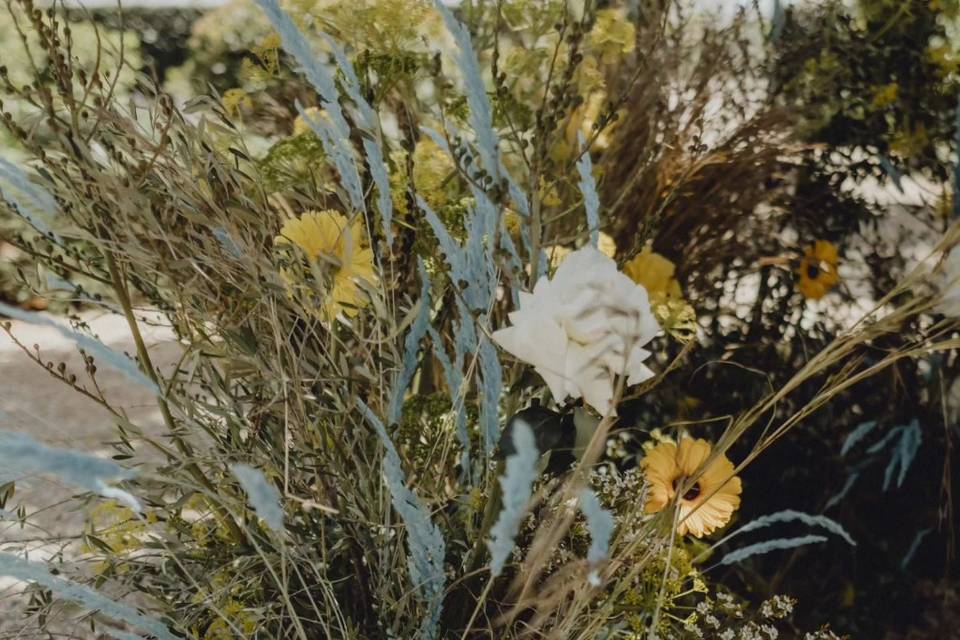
(428, 382)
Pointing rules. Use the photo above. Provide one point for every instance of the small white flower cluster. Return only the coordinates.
(621, 489)
(777, 607)
(725, 619)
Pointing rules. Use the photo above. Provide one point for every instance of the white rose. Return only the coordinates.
(949, 285)
(583, 328)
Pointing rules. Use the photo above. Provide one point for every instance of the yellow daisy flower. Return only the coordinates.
(655, 274)
(818, 270)
(336, 257)
(709, 503)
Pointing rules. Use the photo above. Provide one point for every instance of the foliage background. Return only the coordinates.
(806, 161)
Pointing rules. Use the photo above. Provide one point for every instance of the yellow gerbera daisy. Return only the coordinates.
(818, 270)
(655, 274)
(336, 258)
(705, 506)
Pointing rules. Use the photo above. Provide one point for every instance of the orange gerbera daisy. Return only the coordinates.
(705, 506)
(818, 270)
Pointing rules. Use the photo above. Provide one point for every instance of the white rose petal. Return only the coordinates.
(583, 328)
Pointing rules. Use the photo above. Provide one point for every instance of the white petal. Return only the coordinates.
(590, 375)
(557, 383)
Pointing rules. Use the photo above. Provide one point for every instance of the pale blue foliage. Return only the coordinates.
(488, 217)
(122, 635)
(490, 392)
(11, 565)
(336, 145)
(844, 490)
(35, 195)
(789, 515)
(368, 118)
(452, 252)
(34, 221)
(878, 446)
(777, 21)
(411, 347)
(35, 200)
(464, 346)
(297, 45)
(858, 434)
(378, 171)
(94, 347)
(768, 546)
(892, 172)
(263, 495)
(588, 187)
(914, 546)
(464, 334)
(517, 487)
(438, 139)
(227, 242)
(424, 539)
(481, 113)
(454, 377)
(19, 453)
(56, 283)
(516, 194)
(908, 438)
(600, 525)
(335, 134)
(488, 209)
(471, 269)
(368, 121)
(478, 281)
(904, 451)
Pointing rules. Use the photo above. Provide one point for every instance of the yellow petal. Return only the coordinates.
(691, 455)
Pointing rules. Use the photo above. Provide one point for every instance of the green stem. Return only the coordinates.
(146, 364)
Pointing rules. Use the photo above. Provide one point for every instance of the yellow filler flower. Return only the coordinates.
(818, 270)
(709, 503)
(655, 274)
(336, 257)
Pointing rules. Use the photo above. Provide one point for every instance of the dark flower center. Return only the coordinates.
(692, 493)
(813, 271)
